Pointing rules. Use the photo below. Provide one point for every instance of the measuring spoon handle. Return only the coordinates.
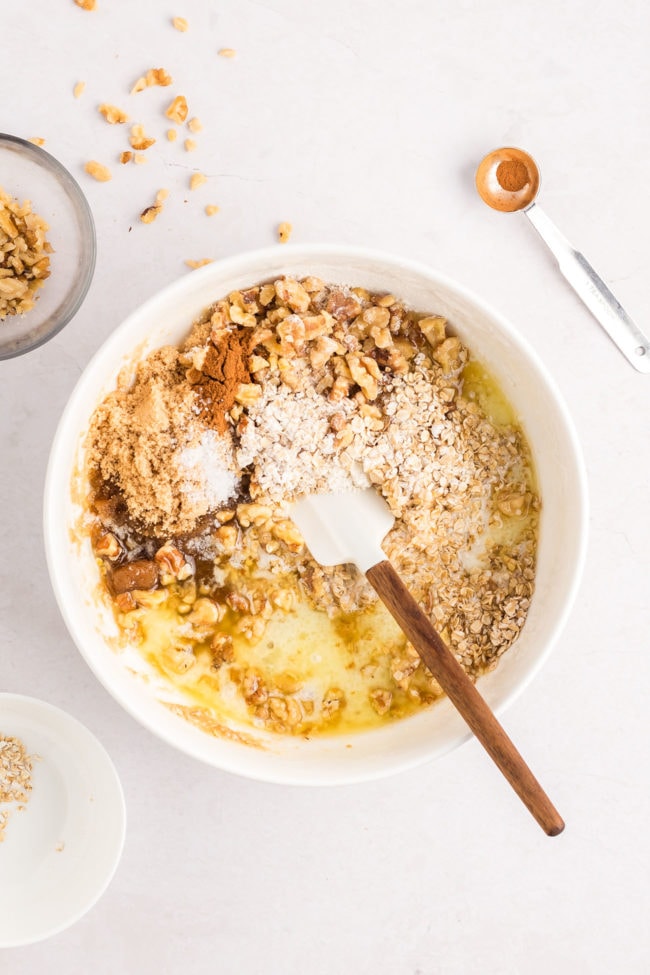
(592, 290)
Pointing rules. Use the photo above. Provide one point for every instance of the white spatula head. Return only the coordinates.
(348, 526)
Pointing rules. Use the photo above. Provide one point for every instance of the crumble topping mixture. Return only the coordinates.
(295, 387)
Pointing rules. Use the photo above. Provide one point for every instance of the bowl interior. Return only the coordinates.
(166, 318)
(29, 173)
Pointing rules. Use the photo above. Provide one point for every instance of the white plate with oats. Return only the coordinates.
(62, 820)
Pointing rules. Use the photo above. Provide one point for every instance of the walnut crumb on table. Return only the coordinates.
(180, 24)
(154, 76)
(150, 213)
(172, 135)
(196, 180)
(211, 209)
(201, 263)
(86, 4)
(138, 139)
(126, 157)
(284, 231)
(177, 109)
(189, 145)
(79, 89)
(227, 52)
(98, 171)
(112, 114)
(37, 141)
(194, 125)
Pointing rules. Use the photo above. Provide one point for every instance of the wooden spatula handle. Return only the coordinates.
(463, 694)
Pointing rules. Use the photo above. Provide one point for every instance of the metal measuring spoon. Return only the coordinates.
(508, 180)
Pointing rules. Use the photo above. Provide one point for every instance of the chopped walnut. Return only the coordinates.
(177, 110)
(78, 89)
(112, 114)
(138, 139)
(433, 327)
(194, 125)
(154, 76)
(196, 180)
(211, 210)
(180, 24)
(99, 172)
(227, 52)
(150, 213)
(285, 229)
(126, 157)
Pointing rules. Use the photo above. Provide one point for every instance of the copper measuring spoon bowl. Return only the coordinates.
(508, 180)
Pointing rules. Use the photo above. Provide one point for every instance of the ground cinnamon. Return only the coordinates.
(224, 368)
(512, 175)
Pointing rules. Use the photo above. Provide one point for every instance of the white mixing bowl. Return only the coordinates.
(166, 318)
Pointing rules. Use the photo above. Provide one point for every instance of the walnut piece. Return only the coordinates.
(177, 109)
(112, 114)
(99, 172)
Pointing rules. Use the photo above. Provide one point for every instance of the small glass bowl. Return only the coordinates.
(27, 172)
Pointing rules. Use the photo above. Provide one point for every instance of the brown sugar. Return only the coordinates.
(135, 437)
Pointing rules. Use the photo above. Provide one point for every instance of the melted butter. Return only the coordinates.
(303, 652)
(481, 386)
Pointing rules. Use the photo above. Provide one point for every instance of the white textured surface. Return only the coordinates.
(362, 123)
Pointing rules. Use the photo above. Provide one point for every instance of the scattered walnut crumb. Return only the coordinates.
(149, 214)
(194, 125)
(37, 141)
(162, 195)
(154, 76)
(172, 135)
(211, 209)
(86, 4)
(15, 775)
(190, 145)
(201, 263)
(126, 157)
(60, 847)
(227, 52)
(99, 172)
(196, 180)
(138, 139)
(24, 260)
(139, 158)
(180, 24)
(177, 109)
(112, 114)
(284, 231)
(79, 89)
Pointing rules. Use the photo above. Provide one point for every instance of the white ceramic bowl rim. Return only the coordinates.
(253, 267)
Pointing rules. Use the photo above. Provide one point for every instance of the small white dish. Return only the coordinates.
(61, 851)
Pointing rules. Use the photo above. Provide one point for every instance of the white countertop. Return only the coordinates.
(362, 123)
